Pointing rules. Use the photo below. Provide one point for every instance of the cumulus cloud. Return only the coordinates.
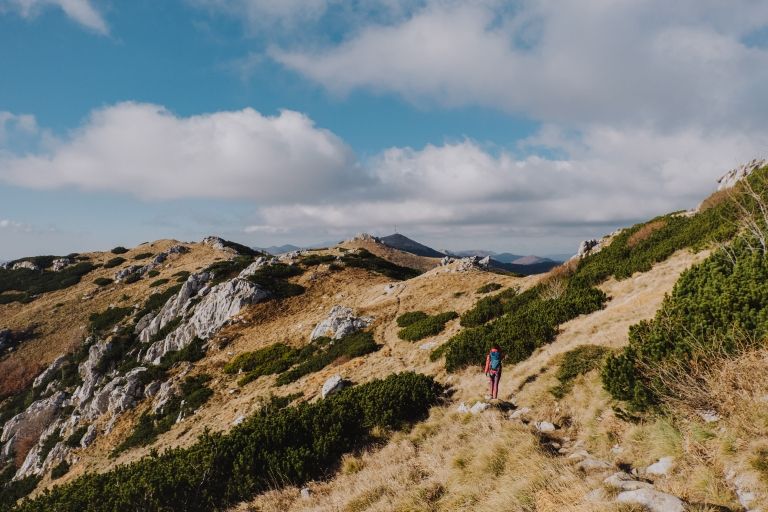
(146, 151)
(80, 11)
(666, 63)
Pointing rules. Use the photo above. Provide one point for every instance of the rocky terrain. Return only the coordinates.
(155, 347)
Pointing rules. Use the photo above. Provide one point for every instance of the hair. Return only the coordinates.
(495, 346)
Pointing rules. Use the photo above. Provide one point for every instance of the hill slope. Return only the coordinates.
(403, 243)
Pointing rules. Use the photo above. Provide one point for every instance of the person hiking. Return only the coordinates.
(493, 370)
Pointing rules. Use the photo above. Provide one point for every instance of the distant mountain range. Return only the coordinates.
(403, 243)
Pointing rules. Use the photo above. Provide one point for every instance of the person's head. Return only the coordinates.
(495, 347)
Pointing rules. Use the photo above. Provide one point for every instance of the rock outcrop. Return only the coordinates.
(587, 247)
(32, 422)
(175, 306)
(216, 307)
(733, 176)
(28, 265)
(46, 375)
(340, 322)
(117, 396)
(333, 385)
(88, 372)
(60, 264)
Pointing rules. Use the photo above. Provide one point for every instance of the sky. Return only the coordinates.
(520, 126)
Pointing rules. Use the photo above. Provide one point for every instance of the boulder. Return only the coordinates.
(462, 408)
(218, 306)
(177, 249)
(175, 306)
(587, 247)
(333, 385)
(662, 467)
(653, 500)
(479, 407)
(709, 416)
(158, 259)
(545, 426)
(88, 372)
(238, 420)
(520, 413)
(123, 273)
(46, 374)
(340, 322)
(590, 465)
(28, 265)
(428, 345)
(626, 482)
(33, 421)
(60, 264)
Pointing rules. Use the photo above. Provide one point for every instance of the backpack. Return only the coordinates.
(495, 360)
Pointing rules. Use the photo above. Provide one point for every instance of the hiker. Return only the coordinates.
(493, 370)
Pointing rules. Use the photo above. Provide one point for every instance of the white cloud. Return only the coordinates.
(80, 11)
(146, 151)
(14, 226)
(567, 61)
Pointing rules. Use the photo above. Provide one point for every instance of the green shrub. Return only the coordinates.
(113, 262)
(195, 351)
(157, 300)
(311, 260)
(143, 256)
(718, 302)
(488, 308)
(153, 273)
(12, 491)
(348, 347)
(269, 360)
(297, 443)
(73, 441)
(101, 322)
(158, 282)
(488, 288)
(426, 327)
(273, 278)
(532, 323)
(103, 281)
(227, 269)
(132, 278)
(364, 259)
(577, 362)
(411, 317)
(194, 392)
(166, 329)
(119, 250)
(30, 283)
(42, 262)
(59, 470)
(48, 444)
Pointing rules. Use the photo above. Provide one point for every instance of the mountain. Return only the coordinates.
(280, 249)
(202, 376)
(403, 243)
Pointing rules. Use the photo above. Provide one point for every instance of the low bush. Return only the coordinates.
(132, 278)
(578, 361)
(227, 269)
(153, 273)
(269, 360)
(317, 259)
(158, 282)
(166, 329)
(488, 288)
(194, 392)
(348, 347)
(364, 259)
(48, 444)
(59, 470)
(157, 300)
(103, 281)
(297, 443)
(30, 283)
(101, 322)
(114, 262)
(411, 317)
(426, 327)
(143, 256)
(274, 278)
(73, 441)
(488, 308)
(42, 262)
(193, 352)
(721, 301)
(119, 250)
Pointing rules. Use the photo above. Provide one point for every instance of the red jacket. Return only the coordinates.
(488, 360)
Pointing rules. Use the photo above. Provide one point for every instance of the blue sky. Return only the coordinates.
(516, 126)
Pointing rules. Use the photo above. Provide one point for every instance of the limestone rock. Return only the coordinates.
(88, 372)
(591, 464)
(28, 265)
(366, 237)
(428, 345)
(305, 493)
(33, 421)
(60, 264)
(545, 426)
(50, 371)
(709, 416)
(165, 393)
(118, 395)
(479, 407)
(626, 482)
(178, 249)
(655, 501)
(519, 414)
(587, 247)
(176, 305)
(237, 421)
(89, 437)
(253, 267)
(462, 408)
(333, 385)
(340, 322)
(733, 176)
(662, 467)
(218, 306)
(122, 274)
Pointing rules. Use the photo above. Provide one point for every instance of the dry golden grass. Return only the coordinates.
(645, 232)
(715, 199)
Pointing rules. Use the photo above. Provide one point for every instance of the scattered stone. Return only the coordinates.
(596, 496)
(60, 264)
(545, 426)
(48, 372)
(518, 414)
(428, 345)
(462, 408)
(89, 437)
(28, 265)
(709, 416)
(617, 449)
(178, 249)
(479, 407)
(662, 467)
(744, 489)
(655, 501)
(626, 482)
(579, 455)
(340, 322)
(238, 420)
(333, 385)
(305, 493)
(591, 465)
